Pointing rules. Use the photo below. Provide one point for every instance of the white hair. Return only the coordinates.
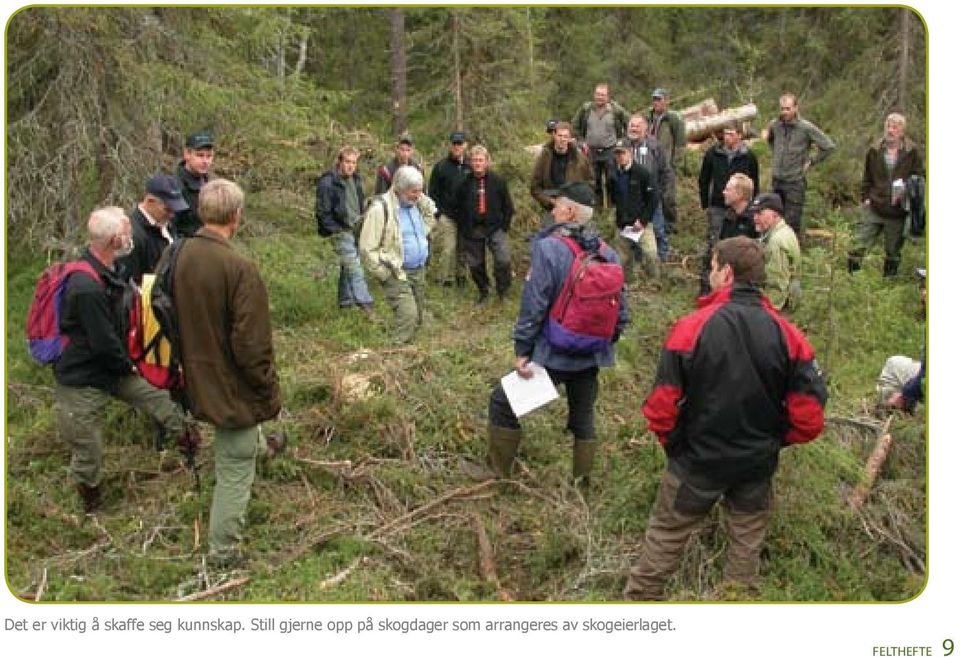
(581, 213)
(105, 223)
(407, 178)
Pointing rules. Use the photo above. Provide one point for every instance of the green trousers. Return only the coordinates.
(407, 300)
(870, 227)
(80, 417)
(235, 465)
(446, 261)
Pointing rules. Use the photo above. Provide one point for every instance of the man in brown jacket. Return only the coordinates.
(227, 350)
(890, 164)
(559, 163)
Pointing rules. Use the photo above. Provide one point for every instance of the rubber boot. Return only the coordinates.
(583, 453)
(890, 268)
(90, 496)
(502, 445)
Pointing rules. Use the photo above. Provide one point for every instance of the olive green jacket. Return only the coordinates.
(791, 144)
(781, 252)
(672, 135)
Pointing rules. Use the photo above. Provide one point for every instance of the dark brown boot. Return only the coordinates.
(90, 496)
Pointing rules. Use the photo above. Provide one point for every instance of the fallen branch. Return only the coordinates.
(862, 423)
(38, 596)
(443, 499)
(877, 458)
(488, 568)
(342, 575)
(216, 590)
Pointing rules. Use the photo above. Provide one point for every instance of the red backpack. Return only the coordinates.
(584, 316)
(44, 338)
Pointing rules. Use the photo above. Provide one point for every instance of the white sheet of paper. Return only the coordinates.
(631, 233)
(526, 395)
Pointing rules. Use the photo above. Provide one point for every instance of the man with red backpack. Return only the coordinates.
(559, 328)
(94, 365)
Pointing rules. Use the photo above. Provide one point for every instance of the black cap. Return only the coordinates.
(578, 192)
(767, 201)
(200, 140)
(167, 189)
(405, 138)
(456, 137)
(552, 125)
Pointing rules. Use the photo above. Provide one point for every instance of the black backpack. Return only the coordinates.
(162, 299)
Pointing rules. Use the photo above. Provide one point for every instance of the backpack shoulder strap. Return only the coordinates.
(81, 266)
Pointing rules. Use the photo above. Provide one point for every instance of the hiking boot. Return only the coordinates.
(90, 496)
(853, 264)
(482, 297)
(367, 309)
(276, 444)
(189, 443)
(890, 268)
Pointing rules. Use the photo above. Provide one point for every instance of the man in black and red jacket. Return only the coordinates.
(736, 383)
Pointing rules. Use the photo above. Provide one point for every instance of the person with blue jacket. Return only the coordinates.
(550, 263)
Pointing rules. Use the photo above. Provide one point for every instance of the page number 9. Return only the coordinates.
(947, 647)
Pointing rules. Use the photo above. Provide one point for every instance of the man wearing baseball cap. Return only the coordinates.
(550, 262)
(669, 129)
(446, 176)
(402, 157)
(150, 226)
(193, 172)
(781, 251)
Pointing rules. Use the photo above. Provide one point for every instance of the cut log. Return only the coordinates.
(705, 108)
(877, 458)
(488, 568)
(700, 129)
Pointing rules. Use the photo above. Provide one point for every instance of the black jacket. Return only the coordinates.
(717, 169)
(499, 206)
(445, 178)
(638, 200)
(148, 246)
(735, 383)
(331, 211)
(91, 316)
(738, 224)
(188, 221)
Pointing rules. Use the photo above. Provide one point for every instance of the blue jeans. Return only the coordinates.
(660, 232)
(352, 287)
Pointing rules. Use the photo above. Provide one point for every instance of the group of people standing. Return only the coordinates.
(225, 338)
(719, 446)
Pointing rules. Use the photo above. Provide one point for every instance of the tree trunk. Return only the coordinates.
(706, 107)
(457, 73)
(398, 71)
(700, 129)
(302, 58)
(903, 77)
